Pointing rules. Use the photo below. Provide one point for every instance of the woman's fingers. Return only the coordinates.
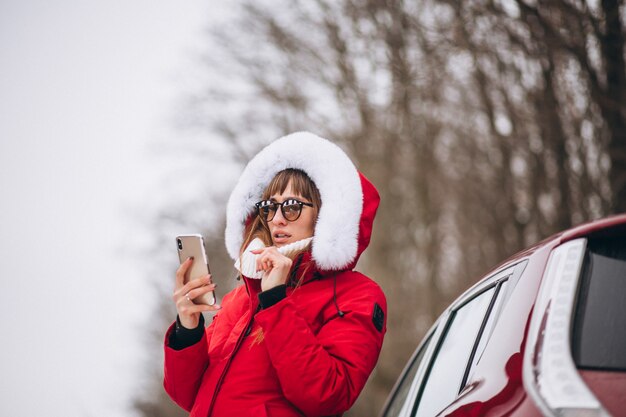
(193, 294)
(206, 307)
(187, 310)
(181, 271)
(276, 271)
(192, 309)
(185, 293)
(268, 258)
(271, 259)
(259, 263)
(189, 314)
(195, 283)
(259, 259)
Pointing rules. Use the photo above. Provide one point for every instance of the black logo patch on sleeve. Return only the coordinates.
(378, 317)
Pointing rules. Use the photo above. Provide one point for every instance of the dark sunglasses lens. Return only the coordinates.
(267, 210)
(291, 210)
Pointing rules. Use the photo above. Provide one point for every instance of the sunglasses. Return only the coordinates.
(290, 208)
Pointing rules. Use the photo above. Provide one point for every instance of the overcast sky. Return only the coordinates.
(85, 88)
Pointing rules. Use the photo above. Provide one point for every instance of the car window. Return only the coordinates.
(599, 339)
(450, 363)
(485, 335)
(402, 391)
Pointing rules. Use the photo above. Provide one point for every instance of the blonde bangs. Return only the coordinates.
(300, 184)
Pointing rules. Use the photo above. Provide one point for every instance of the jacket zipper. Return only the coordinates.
(243, 335)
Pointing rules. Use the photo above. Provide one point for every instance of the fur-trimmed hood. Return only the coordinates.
(345, 220)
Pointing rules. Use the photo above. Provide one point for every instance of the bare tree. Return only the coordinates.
(485, 125)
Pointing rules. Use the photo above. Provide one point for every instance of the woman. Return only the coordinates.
(303, 334)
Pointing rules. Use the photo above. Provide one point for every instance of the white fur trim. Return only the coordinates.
(335, 243)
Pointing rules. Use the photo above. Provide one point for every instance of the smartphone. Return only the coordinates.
(193, 246)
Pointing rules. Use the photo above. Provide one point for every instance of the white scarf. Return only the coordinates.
(246, 263)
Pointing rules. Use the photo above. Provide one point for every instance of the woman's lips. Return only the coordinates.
(280, 237)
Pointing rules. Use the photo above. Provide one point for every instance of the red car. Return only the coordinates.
(543, 334)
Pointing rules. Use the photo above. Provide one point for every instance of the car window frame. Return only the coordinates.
(425, 342)
(510, 273)
(432, 336)
(449, 321)
(506, 290)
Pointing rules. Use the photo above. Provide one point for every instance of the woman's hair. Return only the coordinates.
(300, 184)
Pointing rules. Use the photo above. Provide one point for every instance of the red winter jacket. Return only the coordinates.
(316, 351)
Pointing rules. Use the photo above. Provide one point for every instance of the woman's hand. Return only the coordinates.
(275, 267)
(188, 311)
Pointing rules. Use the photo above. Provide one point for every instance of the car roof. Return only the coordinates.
(597, 227)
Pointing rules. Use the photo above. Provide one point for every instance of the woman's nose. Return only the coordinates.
(279, 219)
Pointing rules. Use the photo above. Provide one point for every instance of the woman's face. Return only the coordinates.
(283, 231)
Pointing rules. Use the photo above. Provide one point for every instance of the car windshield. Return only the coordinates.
(599, 333)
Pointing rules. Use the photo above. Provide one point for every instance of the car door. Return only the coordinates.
(444, 360)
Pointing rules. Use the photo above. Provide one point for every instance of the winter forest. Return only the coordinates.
(486, 125)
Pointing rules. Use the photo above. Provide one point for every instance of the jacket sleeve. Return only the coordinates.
(183, 369)
(323, 373)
